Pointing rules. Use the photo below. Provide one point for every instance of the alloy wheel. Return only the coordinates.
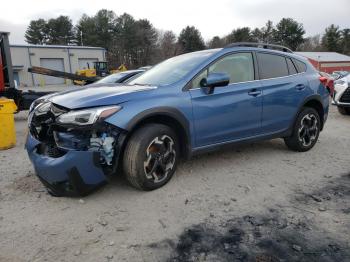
(160, 158)
(308, 129)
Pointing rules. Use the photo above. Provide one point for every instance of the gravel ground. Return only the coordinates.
(255, 202)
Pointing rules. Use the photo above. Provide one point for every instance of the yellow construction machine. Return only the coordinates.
(100, 69)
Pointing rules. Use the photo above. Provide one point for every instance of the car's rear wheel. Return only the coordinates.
(305, 132)
(151, 156)
(344, 110)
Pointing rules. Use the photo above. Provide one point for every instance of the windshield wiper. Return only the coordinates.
(137, 84)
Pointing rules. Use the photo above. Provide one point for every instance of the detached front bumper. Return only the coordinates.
(76, 173)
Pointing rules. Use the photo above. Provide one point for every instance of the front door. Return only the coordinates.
(231, 112)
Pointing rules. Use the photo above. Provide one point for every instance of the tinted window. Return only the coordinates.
(239, 67)
(291, 67)
(301, 67)
(271, 66)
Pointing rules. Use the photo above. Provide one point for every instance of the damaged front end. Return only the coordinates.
(73, 151)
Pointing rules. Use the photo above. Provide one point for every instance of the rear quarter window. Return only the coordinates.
(272, 66)
(291, 67)
(301, 67)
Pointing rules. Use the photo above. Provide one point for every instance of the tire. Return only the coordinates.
(344, 110)
(151, 156)
(306, 130)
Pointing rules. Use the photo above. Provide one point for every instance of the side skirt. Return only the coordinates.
(218, 146)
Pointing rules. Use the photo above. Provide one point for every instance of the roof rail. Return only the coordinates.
(260, 45)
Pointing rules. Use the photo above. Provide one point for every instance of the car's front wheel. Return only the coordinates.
(151, 156)
(344, 110)
(305, 131)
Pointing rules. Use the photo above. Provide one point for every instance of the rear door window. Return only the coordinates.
(272, 66)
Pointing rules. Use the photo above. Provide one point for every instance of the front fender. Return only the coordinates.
(163, 111)
(177, 107)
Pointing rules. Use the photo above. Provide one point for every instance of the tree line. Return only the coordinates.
(137, 43)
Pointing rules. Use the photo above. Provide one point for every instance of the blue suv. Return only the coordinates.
(185, 105)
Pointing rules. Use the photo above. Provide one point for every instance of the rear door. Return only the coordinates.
(284, 88)
(231, 112)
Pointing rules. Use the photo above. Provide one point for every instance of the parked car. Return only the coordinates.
(341, 96)
(328, 82)
(145, 67)
(339, 74)
(110, 80)
(119, 77)
(188, 104)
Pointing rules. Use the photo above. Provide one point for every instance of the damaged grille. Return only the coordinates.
(41, 126)
(41, 122)
(50, 150)
(57, 139)
(345, 98)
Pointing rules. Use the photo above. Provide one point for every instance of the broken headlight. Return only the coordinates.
(43, 108)
(87, 116)
(40, 100)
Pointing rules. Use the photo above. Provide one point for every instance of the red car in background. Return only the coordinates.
(328, 82)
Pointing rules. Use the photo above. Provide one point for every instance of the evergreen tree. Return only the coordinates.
(190, 39)
(289, 33)
(239, 35)
(331, 40)
(345, 41)
(60, 31)
(36, 32)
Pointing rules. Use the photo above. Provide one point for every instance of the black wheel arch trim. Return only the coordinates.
(317, 98)
(165, 112)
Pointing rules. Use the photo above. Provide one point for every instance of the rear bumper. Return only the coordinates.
(76, 173)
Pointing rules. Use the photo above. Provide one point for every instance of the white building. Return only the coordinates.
(62, 58)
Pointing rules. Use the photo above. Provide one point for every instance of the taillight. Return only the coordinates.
(323, 80)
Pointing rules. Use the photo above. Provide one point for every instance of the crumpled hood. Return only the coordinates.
(97, 95)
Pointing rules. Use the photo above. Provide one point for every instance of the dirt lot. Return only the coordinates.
(256, 202)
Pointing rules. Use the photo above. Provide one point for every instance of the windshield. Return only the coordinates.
(172, 70)
(114, 78)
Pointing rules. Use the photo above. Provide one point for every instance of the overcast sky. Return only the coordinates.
(215, 17)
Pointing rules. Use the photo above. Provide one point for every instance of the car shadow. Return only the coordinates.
(239, 153)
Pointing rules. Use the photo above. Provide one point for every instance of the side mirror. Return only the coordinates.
(214, 80)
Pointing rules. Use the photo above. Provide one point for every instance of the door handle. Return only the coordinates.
(254, 92)
(300, 87)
